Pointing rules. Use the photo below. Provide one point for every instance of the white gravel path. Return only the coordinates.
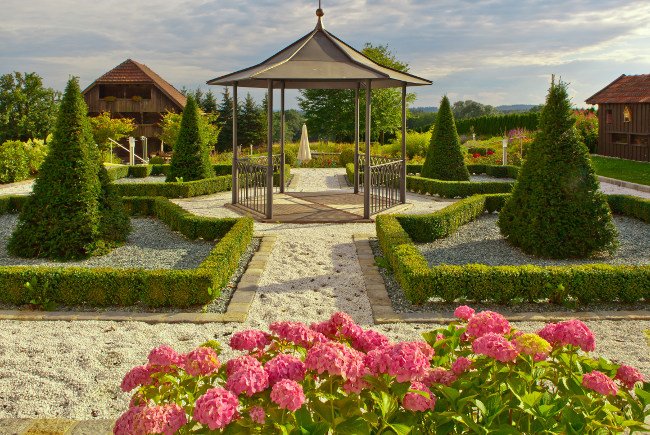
(73, 369)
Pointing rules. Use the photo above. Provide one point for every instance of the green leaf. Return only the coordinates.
(401, 429)
(355, 425)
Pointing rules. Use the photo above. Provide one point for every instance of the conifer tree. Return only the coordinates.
(191, 158)
(114, 223)
(444, 160)
(252, 123)
(556, 209)
(224, 142)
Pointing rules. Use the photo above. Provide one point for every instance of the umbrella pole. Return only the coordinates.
(356, 138)
(366, 173)
(282, 133)
(269, 163)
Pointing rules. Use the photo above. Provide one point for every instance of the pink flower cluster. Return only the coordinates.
(407, 361)
(285, 366)
(288, 394)
(297, 333)
(600, 383)
(487, 322)
(216, 408)
(250, 340)
(439, 375)
(137, 376)
(461, 365)
(417, 401)
(166, 356)
(628, 376)
(257, 414)
(341, 325)
(241, 362)
(573, 332)
(464, 312)
(202, 361)
(248, 380)
(335, 359)
(142, 420)
(495, 346)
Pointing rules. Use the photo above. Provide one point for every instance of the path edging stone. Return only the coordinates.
(626, 184)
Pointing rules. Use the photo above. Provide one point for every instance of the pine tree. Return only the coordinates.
(62, 218)
(444, 160)
(191, 158)
(224, 142)
(209, 103)
(556, 209)
(251, 123)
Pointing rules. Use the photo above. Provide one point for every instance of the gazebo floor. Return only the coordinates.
(315, 207)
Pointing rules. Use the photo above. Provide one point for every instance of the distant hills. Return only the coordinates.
(506, 108)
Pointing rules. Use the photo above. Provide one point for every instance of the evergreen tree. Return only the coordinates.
(209, 103)
(444, 160)
(114, 223)
(224, 142)
(66, 215)
(251, 123)
(556, 209)
(191, 158)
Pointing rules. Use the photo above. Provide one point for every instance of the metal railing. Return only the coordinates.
(252, 181)
(385, 178)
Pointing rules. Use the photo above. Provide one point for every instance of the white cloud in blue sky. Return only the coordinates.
(493, 51)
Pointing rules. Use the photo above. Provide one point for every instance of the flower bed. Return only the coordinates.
(156, 288)
(478, 375)
(502, 284)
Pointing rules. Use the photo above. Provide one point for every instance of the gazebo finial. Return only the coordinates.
(319, 14)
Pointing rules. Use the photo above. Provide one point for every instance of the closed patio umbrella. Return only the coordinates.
(304, 153)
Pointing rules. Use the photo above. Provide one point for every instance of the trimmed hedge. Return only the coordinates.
(496, 171)
(116, 172)
(155, 288)
(184, 189)
(455, 189)
(140, 171)
(502, 284)
(495, 125)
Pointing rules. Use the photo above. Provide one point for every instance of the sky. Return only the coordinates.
(493, 51)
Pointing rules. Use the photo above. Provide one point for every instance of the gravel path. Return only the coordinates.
(149, 179)
(151, 245)
(73, 369)
(481, 242)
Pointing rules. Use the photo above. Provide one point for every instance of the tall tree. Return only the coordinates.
(556, 209)
(224, 143)
(252, 125)
(209, 103)
(444, 160)
(191, 158)
(27, 108)
(104, 128)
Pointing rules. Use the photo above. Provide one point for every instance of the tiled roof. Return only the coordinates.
(625, 89)
(131, 71)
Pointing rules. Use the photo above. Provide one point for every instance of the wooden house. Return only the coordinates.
(133, 90)
(624, 118)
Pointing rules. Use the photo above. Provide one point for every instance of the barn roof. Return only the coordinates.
(319, 60)
(625, 89)
(132, 72)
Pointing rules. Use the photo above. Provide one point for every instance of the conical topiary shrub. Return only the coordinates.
(444, 159)
(191, 158)
(556, 209)
(114, 223)
(61, 218)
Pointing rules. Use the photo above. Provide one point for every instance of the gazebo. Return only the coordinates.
(319, 60)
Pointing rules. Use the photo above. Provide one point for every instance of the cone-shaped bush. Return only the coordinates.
(61, 218)
(556, 209)
(191, 158)
(114, 223)
(444, 159)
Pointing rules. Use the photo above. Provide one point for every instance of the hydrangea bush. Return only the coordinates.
(478, 375)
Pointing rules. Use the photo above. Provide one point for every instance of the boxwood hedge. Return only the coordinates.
(502, 284)
(119, 287)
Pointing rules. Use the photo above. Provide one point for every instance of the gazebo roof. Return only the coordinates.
(319, 60)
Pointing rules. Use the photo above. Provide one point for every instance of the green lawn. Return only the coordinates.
(627, 170)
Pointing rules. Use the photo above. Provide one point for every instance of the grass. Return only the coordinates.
(626, 170)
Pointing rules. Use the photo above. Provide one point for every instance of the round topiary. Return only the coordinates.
(444, 160)
(191, 158)
(556, 209)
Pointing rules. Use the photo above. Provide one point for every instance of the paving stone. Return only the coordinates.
(53, 426)
(14, 426)
(242, 296)
(93, 427)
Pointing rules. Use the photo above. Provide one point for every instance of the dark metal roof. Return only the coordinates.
(319, 60)
(625, 89)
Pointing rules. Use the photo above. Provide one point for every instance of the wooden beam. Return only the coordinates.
(282, 138)
(235, 157)
(366, 175)
(269, 165)
(356, 137)
(402, 181)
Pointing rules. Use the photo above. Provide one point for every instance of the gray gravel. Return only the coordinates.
(483, 178)
(151, 245)
(481, 242)
(149, 179)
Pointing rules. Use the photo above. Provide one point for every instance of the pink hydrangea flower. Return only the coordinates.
(340, 325)
(531, 344)
(124, 424)
(288, 394)
(369, 340)
(202, 361)
(600, 383)
(248, 380)
(165, 356)
(573, 332)
(464, 312)
(439, 375)
(244, 361)
(461, 365)
(285, 366)
(297, 333)
(628, 376)
(250, 340)
(407, 361)
(335, 359)
(138, 375)
(487, 322)
(216, 408)
(419, 402)
(257, 414)
(495, 346)
(163, 419)
(355, 386)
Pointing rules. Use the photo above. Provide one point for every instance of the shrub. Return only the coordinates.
(484, 151)
(478, 375)
(115, 172)
(455, 189)
(496, 125)
(182, 189)
(346, 156)
(14, 162)
(556, 209)
(587, 124)
(140, 171)
(114, 223)
(444, 159)
(191, 158)
(632, 206)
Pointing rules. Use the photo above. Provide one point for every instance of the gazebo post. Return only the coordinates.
(356, 137)
(235, 157)
(269, 164)
(402, 175)
(366, 169)
(282, 139)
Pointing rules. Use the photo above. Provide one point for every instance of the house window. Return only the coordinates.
(638, 139)
(608, 116)
(619, 138)
(627, 114)
(125, 91)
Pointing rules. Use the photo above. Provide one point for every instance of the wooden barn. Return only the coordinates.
(624, 118)
(133, 90)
